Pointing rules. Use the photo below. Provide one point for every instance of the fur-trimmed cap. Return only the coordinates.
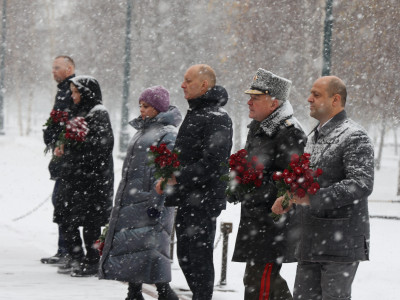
(265, 82)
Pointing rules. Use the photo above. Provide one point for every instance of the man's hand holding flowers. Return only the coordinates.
(278, 209)
(295, 184)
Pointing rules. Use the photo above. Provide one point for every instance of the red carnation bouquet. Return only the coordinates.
(99, 244)
(245, 175)
(57, 116)
(75, 130)
(297, 179)
(165, 161)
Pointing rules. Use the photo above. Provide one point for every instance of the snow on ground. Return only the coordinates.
(27, 234)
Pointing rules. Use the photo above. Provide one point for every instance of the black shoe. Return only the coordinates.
(57, 259)
(85, 269)
(69, 266)
(135, 291)
(165, 292)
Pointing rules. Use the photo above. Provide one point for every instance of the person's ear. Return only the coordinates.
(337, 100)
(204, 85)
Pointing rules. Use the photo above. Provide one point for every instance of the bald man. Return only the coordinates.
(204, 142)
(63, 69)
(335, 221)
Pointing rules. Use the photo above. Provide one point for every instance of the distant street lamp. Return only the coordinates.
(2, 56)
(326, 52)
(124, 135)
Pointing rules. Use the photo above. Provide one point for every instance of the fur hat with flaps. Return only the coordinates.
(266, 82)
(157, 97)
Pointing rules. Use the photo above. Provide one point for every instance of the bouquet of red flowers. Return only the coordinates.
(297, 179)
(99, 244)
(244, 175)
(165, 161)
(57, 116)
(75, 130)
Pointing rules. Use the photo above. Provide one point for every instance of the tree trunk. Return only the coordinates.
(237, 133)
(378, 159)
(29, 114)
(398, 180)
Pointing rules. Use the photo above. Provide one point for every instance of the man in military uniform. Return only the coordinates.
(274, 135)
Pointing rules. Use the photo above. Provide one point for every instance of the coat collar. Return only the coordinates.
(216, 96)
(171, 117)
(65, 83)
(332, 124)
(274, 121)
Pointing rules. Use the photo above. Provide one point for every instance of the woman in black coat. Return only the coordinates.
(87, 176)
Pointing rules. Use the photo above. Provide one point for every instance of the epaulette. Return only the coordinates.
(288, 123)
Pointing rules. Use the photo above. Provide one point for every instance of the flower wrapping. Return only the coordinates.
(298, 179)
(75, 130)
(245, 175)
(165, 161)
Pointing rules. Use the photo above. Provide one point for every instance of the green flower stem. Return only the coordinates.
(285, 204)
(163, 183)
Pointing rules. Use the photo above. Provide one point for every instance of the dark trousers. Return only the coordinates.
(263, 281)
(62, 248)
(73, 241)
(195, 232)
(324, 281)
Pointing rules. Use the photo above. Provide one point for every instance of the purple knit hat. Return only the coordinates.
(157, 97)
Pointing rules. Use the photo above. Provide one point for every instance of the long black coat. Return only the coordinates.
(137, 246)
(273, 141)
(335, 227)
(86, 169)
(204, 142)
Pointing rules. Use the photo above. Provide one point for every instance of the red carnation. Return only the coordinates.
(165, 161)
(297, 179)
(99, 245)
(295, 158)
(313, 189)
(246, 173)
(300, 192)
(57, 116)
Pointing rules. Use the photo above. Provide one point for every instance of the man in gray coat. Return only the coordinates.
(335, 221)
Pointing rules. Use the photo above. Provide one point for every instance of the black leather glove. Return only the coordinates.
(153, 212)
(234, 197)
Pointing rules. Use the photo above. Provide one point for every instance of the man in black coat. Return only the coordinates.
(274, 135)
(63, 70)
(204, 142)
(334, 221)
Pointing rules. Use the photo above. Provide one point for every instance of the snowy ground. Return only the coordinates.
(27, 234)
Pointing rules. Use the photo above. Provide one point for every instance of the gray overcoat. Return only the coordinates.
(335, 227)
(137, 245)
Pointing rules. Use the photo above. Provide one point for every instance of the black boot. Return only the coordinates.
(165, 292)
(135, 291)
